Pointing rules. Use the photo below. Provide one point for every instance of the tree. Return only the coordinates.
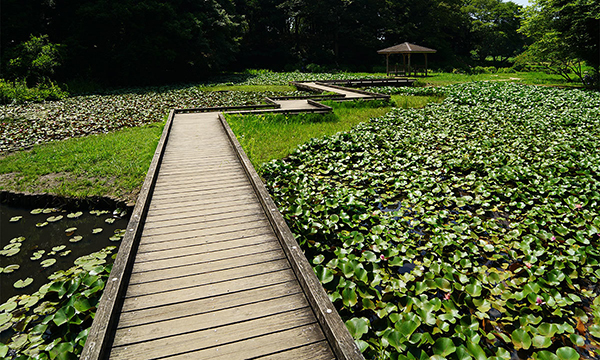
(494, 29)
(35, 60)
(565, 34)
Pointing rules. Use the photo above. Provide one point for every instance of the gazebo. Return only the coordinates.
(406, 49)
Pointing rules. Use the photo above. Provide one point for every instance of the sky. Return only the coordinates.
(521, 2)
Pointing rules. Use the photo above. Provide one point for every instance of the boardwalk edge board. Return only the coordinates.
(332, 325)
(98, 340)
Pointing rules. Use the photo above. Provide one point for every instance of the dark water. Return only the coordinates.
(47, 237)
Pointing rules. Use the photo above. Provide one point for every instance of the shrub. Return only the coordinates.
(18, 92)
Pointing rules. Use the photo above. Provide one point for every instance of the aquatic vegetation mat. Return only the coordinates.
(467, 229)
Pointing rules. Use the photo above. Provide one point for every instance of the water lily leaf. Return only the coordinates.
(406, 328)
(349, 297)
(473, 289)
(8, 306)
(29, 301)
(3, 350)
(96, 231)
(325, 275)
(41, 224)
(394, 338)
(19, 284)
(567, 353)
(110, 220)
(4, 318)
(15, 218)
(54, 218)
(577, 340)
(115, 238)
(48, 262)
(541, 342)
(11, 268)
(71, 230)
(37, 255)
(62, 351)
(36, 211)
(10, 252)
(545, 355)
(74, 215)
(521, 339)
(595, 330)
(59, 248)
(443, 347)
(318, 259)
(75, 239)
(65, 253)
(18, 341)
(19, 239)
(357, 327)
(476, 351)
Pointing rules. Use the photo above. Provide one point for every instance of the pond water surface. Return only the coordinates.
(66, 236)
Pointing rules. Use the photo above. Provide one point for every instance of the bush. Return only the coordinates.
(18, 92)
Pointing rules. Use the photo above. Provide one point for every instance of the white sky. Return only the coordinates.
(521, 2)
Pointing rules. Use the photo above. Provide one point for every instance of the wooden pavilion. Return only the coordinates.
(406, 49)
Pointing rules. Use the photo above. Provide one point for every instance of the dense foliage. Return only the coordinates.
(468, 229)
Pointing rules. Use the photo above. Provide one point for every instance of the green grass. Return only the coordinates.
(113, 164)
(267, 137)
(248, 88)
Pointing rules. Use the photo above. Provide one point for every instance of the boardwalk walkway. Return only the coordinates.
(208, 268)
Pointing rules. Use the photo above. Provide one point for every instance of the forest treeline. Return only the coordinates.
(133, 42)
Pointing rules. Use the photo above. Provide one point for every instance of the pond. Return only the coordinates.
(36, 242)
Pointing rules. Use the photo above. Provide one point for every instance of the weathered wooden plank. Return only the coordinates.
(202, 219)
(255, 347)
(251, 223)
(226, 301)
(200, 210)
(208, 290)
(206, 189)
(315, 351)
(231, 195)
(214, 319)
(200, 181)
(203, 248)
(298, 324)
(253, 255)
(226, 221)
(334, 328)
(254, 229)
(186, 282)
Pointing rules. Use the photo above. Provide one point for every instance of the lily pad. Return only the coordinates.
(15, 218)
(75, 239)
(65, 253)
(17, 239)
(36, 211)
(10, 252)
(19, 284)
(74, 215)
(70, 231)
(54, 218)
(11, 268)
(37, 255)
(59, 248)
(115, 238)
(48, 262)
(97, 230)
(4, 318)
(110, 220)
(42, 224)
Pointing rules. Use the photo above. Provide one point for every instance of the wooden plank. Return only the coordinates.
(226, 301)
(166, 204)
(256, 347)
(216, 188)
(204, 320)
(251, 223)
(177, 186)
(208, 290)
(202, 219)
(316, 351)
(246, 231)
(202, 209)
(214, 261)
(270, 329)
(334, 328)
(226, 221)
(107, 311)
(164, 286)
(201, 248)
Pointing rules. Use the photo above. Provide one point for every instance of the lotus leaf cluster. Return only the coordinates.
(467, 229)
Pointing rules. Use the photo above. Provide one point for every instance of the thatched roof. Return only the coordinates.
(407, 48)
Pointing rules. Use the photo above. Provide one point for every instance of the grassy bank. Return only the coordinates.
(113, 164)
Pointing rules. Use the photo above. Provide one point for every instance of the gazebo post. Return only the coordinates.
(387, 64)
(425, 65)
(409, 69)
(404, 64)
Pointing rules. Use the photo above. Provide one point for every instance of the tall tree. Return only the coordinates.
(565, 33)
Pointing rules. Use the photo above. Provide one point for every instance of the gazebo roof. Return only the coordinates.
(407, 48)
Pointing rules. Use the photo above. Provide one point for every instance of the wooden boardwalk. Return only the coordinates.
(211, 274)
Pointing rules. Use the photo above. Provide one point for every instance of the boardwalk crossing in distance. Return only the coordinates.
(208, 268)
